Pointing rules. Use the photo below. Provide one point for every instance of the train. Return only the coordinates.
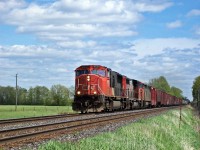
(98, 88)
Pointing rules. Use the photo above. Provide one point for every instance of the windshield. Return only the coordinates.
(140, 85)
(99, 72)
(80, 72)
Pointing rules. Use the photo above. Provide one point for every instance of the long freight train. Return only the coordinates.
(98, 88)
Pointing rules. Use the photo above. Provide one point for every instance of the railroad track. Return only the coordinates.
(12, 137)
(32, 119)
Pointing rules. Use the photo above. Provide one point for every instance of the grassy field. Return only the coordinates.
(8, 111)
(157, 133)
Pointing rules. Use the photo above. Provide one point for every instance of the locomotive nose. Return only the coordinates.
(88, 85)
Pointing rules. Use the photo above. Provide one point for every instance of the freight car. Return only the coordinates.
(98, 88)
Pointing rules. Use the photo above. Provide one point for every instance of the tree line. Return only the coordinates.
(57, 95)
(196, 92)
(162, 84)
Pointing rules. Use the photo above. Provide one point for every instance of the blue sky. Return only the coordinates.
(45, 40)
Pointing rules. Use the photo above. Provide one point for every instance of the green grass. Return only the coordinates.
(8, 111)
(157, 133)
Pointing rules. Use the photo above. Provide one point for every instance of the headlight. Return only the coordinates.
(88, 78)
(78, 92)
(95, 92)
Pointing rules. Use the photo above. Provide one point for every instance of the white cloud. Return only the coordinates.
(81, 31)
(145, 47)
(77, 44)
(77, 17)
(66, 19)
(175, 58)
(197, 31)
(179, 66)
(175, 24)
(6, 6)
(150, 6)
(194, 12)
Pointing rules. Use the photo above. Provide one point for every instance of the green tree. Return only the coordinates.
(71, 92)
(176, 92)
(160, 83)
(60, 95)
(30, 96)
(44, 95)
(39, 95)
(22, 96)
(71, 95)
(7, 95)
(2, 99)
(196, 88)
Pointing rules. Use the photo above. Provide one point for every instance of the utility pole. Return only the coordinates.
(16, 95)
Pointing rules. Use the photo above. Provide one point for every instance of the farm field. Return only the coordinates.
(157, 133)
(8, 111)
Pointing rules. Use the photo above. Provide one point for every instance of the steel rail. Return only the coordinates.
(9, 131)
(82, 123)
(33, 119)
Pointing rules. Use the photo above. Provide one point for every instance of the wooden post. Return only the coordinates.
(180, 114)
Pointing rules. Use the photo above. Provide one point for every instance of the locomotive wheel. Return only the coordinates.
(84, 111)
(131, 106)
(111, 106)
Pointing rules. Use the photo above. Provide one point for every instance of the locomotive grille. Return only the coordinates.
(85, 87)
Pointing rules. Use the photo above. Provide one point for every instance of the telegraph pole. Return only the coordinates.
(16, 95)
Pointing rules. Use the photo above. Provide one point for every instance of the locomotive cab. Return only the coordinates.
(90, 87)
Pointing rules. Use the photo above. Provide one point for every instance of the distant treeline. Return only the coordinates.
(57, 95)
(162, 84)
(60, 95)
(196, 92)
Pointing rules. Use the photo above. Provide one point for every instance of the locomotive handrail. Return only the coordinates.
(77, 86)
(100, 88)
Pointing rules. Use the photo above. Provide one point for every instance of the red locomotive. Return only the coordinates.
(98, 88)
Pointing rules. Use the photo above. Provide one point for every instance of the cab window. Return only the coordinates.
(94, 72)
(99, 72)
(80, 72)
(140, 85)
(108, 74)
